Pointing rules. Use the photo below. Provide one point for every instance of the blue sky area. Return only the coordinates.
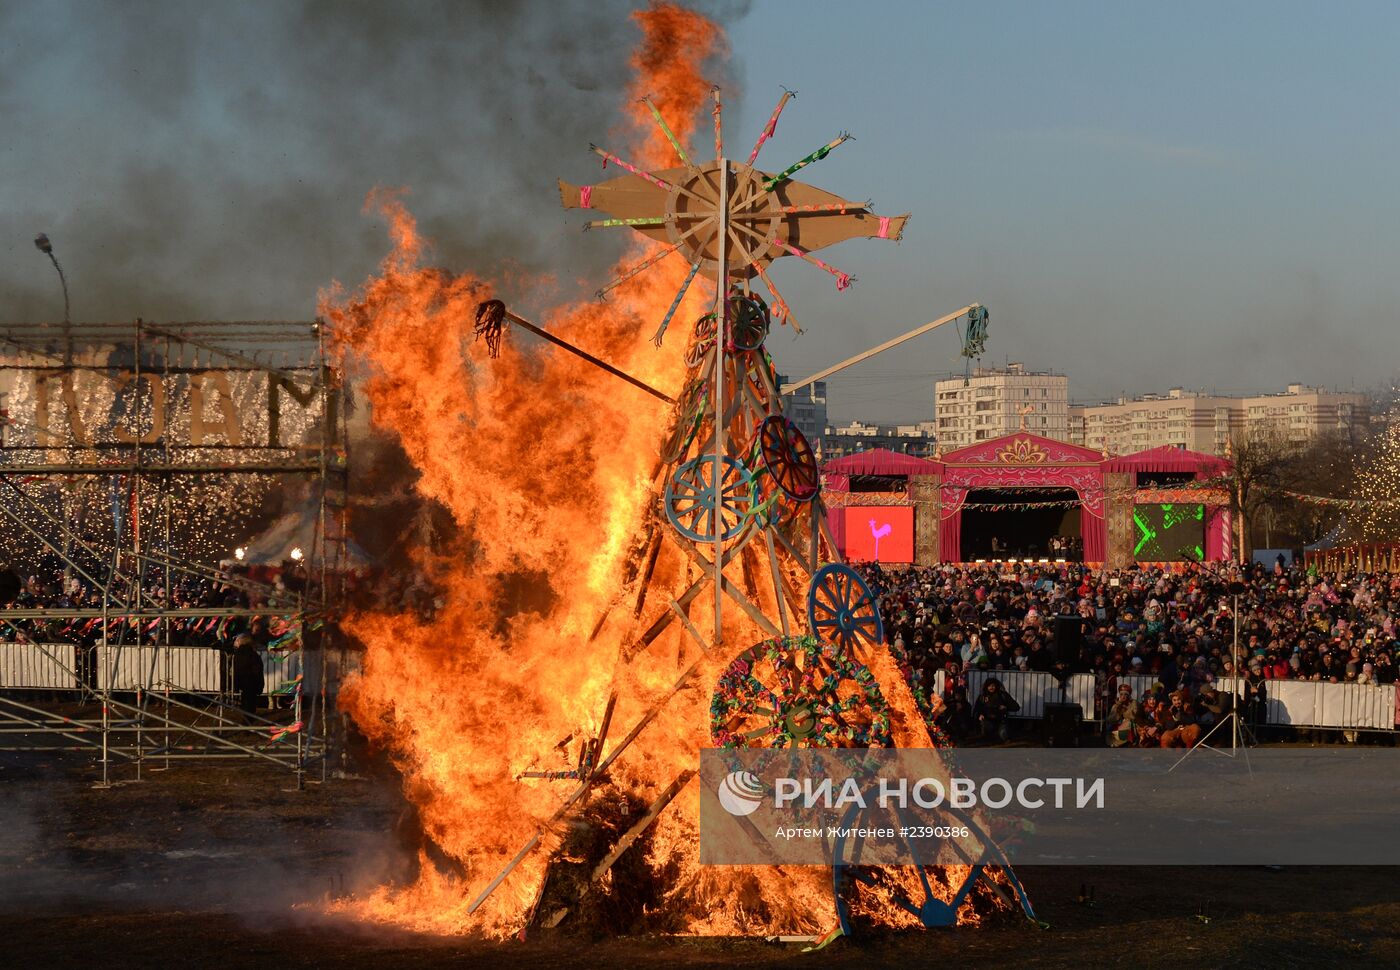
(1143, 195)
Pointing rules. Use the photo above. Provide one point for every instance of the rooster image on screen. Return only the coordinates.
(880, 533)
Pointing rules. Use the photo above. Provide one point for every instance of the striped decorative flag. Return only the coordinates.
(278, 733)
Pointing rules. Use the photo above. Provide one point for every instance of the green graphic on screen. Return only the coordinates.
(1169, 533)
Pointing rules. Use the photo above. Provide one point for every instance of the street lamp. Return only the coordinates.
(41, 243)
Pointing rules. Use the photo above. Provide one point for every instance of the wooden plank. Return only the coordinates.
(578, 792)
(642, 824)
(779, 593)
(819, 513)
(681, 615)
(649, 566)
(866, 355)
(665, 618)
(754, 613)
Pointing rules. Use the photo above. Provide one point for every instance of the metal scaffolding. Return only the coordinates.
(126, 406)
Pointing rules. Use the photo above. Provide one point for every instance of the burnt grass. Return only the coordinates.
(225, 867)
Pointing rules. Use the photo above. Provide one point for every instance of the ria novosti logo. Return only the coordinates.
(741, 793)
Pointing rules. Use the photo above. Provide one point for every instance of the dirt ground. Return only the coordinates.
(205, 867)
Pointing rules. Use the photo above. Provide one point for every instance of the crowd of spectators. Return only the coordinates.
(74, 595)
(1174, 627)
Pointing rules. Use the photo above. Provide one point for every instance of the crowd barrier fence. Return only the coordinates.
(45, 666)
(187, 670)
(1033, 689)
(1314, 703)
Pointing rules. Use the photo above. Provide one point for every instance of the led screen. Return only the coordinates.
(1169, 533)
(880, 533)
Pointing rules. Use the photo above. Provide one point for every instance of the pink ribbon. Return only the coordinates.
(770, 128)
(884, 232)
(843, 280)
(585, 199)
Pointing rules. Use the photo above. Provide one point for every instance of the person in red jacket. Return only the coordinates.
(1276, 667)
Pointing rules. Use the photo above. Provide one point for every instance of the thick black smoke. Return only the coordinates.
(196, 161)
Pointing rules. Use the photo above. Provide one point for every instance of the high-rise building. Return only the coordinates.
(997, 401)
(806, 408)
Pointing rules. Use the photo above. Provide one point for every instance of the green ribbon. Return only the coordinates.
(797, 166)
(638, 221)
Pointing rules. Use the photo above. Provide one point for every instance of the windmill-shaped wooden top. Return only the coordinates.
(768, 214)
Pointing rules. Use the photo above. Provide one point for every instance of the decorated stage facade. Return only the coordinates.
(1023, 496)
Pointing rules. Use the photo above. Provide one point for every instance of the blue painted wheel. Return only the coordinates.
(841, 609)
(850, 878)
(699, 510)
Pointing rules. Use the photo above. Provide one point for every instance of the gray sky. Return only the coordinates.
(1143, 196)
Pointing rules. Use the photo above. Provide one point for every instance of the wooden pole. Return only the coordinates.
(721, 332)
(540, 332)
(866, 355)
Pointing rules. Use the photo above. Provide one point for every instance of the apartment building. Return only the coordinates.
(910, 439)
(806, 408)
(1302, 414)
(997, 401)
(1207, 422)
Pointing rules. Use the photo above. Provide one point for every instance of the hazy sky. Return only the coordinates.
(1143, 195)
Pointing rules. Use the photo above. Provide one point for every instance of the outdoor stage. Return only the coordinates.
(1023, 497)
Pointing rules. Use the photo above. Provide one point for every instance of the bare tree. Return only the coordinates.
(1259, 462)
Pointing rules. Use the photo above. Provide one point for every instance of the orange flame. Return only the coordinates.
(546, 463)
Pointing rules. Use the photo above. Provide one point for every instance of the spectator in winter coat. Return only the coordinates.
(994, 705)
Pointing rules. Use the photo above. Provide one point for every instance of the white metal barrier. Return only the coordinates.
(43, 666)
(193, 670)
(1140, 683)
(1033, 689)
(187, 669)
(1315, 703)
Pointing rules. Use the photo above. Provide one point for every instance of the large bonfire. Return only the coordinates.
(547, 465)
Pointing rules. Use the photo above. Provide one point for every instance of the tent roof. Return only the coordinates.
(881, 461)
(1022, 448)
(295, 529)
(1166, 458)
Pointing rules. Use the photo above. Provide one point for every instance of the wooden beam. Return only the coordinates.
(681, 615)
(587, 783)
(754, 613)
(604, 365)
(642, 824)
(866, 355)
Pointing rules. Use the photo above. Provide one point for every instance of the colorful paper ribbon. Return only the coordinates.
(610, 157)
(680, 295)
(843, 280)
(770, 184)
(772, 125)
(719, 138)
(644, 264)
(666, 130)
(634, 221)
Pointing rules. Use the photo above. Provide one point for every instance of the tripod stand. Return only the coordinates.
(1239, 732)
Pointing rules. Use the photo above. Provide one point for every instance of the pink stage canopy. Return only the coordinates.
(1027, 460)
(1022, 460)
(881, 461)
(1169, 459)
